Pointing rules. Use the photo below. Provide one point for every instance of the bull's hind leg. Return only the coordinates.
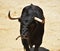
(25, 44)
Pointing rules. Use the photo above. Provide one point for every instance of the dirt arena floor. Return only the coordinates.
(9, 29)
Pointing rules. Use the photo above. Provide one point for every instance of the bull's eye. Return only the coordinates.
(26, 20)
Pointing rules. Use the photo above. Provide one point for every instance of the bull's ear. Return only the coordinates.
(19, 20)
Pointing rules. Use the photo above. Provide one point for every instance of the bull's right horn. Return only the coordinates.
(11, 17)
(39, 20)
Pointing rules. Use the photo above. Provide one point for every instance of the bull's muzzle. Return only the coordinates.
(25, 36)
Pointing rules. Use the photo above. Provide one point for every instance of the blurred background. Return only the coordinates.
(9, 29)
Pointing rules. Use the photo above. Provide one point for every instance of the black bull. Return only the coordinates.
(31, 30)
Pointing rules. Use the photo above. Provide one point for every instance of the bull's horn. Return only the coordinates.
(39, 20)
(11, 17)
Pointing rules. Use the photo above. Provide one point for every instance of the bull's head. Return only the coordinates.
(35, 18)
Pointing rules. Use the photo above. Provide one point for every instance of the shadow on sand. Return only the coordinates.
(40, 49)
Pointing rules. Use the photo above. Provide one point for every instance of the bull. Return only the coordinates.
(32, 26)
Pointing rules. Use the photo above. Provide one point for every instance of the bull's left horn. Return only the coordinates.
(11, 17)
(39, 20)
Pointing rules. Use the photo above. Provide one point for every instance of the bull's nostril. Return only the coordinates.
(26, 36)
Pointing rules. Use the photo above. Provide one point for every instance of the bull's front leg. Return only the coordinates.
(36, 48)
(25, 44)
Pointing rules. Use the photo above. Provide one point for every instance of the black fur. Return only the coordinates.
(32, 29)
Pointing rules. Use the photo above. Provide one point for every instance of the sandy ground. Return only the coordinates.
(9, 30)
